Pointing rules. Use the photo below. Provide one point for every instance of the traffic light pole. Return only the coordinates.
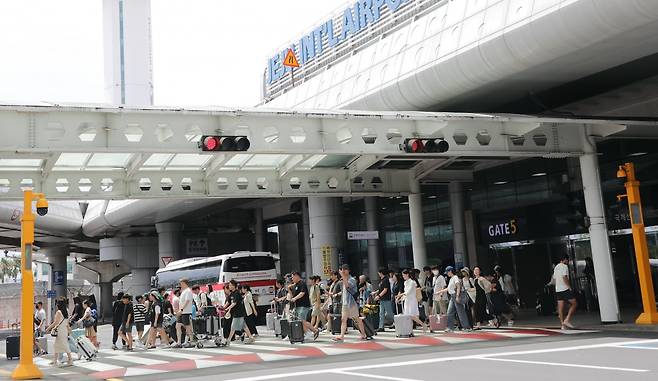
(26, 370)
(650, 315)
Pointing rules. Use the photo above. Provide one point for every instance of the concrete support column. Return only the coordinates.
(57, 258)
(306, 231)
(458, 228)
(372, 224)
(259, 230)
(141, 280)
(325, 225)
(341, 234)
(106, 300)
(598, 231)
(169, 241)
(417, 226)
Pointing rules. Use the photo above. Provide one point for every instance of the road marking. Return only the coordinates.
(178, 355)
(566, 365)
(96, 366)
(136, 360)
(365, 375)
(442, 359)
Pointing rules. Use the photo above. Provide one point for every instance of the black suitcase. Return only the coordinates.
(296, 332)
(199, 326)
(368, 328)
(13, 347)
(285, 328)
(335, 324)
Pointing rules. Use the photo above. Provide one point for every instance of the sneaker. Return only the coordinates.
(510, 323)
(114, 347)
(568, 324)
(177, 346)
(227, 343)
(249, 340)
(381, 330)
(187, 345)
(316, 334)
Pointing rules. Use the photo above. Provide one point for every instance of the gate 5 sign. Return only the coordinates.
(508, 228)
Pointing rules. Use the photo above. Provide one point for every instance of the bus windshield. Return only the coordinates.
(246, 264)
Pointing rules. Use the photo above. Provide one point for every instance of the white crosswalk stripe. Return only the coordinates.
(140, 360)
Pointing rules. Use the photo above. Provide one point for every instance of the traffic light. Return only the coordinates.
(420, 145)
(224, 143)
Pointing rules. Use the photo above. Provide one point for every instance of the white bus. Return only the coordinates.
(256, 269)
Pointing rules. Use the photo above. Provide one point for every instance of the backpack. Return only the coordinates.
(94, 314)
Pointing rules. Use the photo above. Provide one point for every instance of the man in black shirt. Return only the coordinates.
(383, 295)
(117, 317)
(126, 329)
(302, 303)
(237, 312)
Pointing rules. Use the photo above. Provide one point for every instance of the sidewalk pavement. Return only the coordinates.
(588, 320)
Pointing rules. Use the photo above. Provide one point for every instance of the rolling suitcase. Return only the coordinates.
(212, 325)
(42, 344)
(335, 324)
(368, 328)
(404, 326)
(86, 348)
(285, 328)
(277, 326)
(13, 350)
(296, 332)
(270, 319)
(78, 332)
(438, 323)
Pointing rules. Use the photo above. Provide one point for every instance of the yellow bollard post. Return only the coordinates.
(26, 370)
(650, 315)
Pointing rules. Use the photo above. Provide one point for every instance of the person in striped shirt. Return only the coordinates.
(140, 316)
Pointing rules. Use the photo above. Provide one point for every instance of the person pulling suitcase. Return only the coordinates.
(350, 307)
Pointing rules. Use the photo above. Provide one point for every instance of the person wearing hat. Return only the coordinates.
(457, 300)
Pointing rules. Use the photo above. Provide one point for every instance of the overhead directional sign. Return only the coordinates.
(363, 235)
(291, 59)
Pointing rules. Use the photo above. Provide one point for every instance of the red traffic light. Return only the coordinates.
(210, 143)
(224, 143)
(419, 145)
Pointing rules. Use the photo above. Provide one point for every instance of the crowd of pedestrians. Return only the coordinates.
(467, 298)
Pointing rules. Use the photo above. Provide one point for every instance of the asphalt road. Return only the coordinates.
(508, 354)
(592, 357)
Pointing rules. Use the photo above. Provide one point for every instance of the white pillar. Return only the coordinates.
(457, 217)
(373, 244)
(417, 226)
(306, 231)
(325, 234)
(598, 231)
(127, 51)
(141, 280)
(169, 241)
(259, 230)
(57, 258)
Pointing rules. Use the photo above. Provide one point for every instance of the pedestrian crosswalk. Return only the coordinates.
(111, 364)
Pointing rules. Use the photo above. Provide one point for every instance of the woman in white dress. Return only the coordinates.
(60, 326)
(410, 300)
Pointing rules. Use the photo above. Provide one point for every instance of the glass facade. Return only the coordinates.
(526, 214)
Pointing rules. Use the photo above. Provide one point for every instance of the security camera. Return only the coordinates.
(42, 207)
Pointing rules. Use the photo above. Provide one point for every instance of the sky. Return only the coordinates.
(205, 52)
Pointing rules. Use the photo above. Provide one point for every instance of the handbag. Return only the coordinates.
(54, 332)
(88, 323)
(472, 292)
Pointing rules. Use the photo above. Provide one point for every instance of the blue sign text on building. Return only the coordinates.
(354, 19)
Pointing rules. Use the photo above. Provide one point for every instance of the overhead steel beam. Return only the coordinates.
(426, 167)
(50, 131)
(359, 165)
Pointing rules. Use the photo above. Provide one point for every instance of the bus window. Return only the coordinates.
(245, 264)
(196, 275)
